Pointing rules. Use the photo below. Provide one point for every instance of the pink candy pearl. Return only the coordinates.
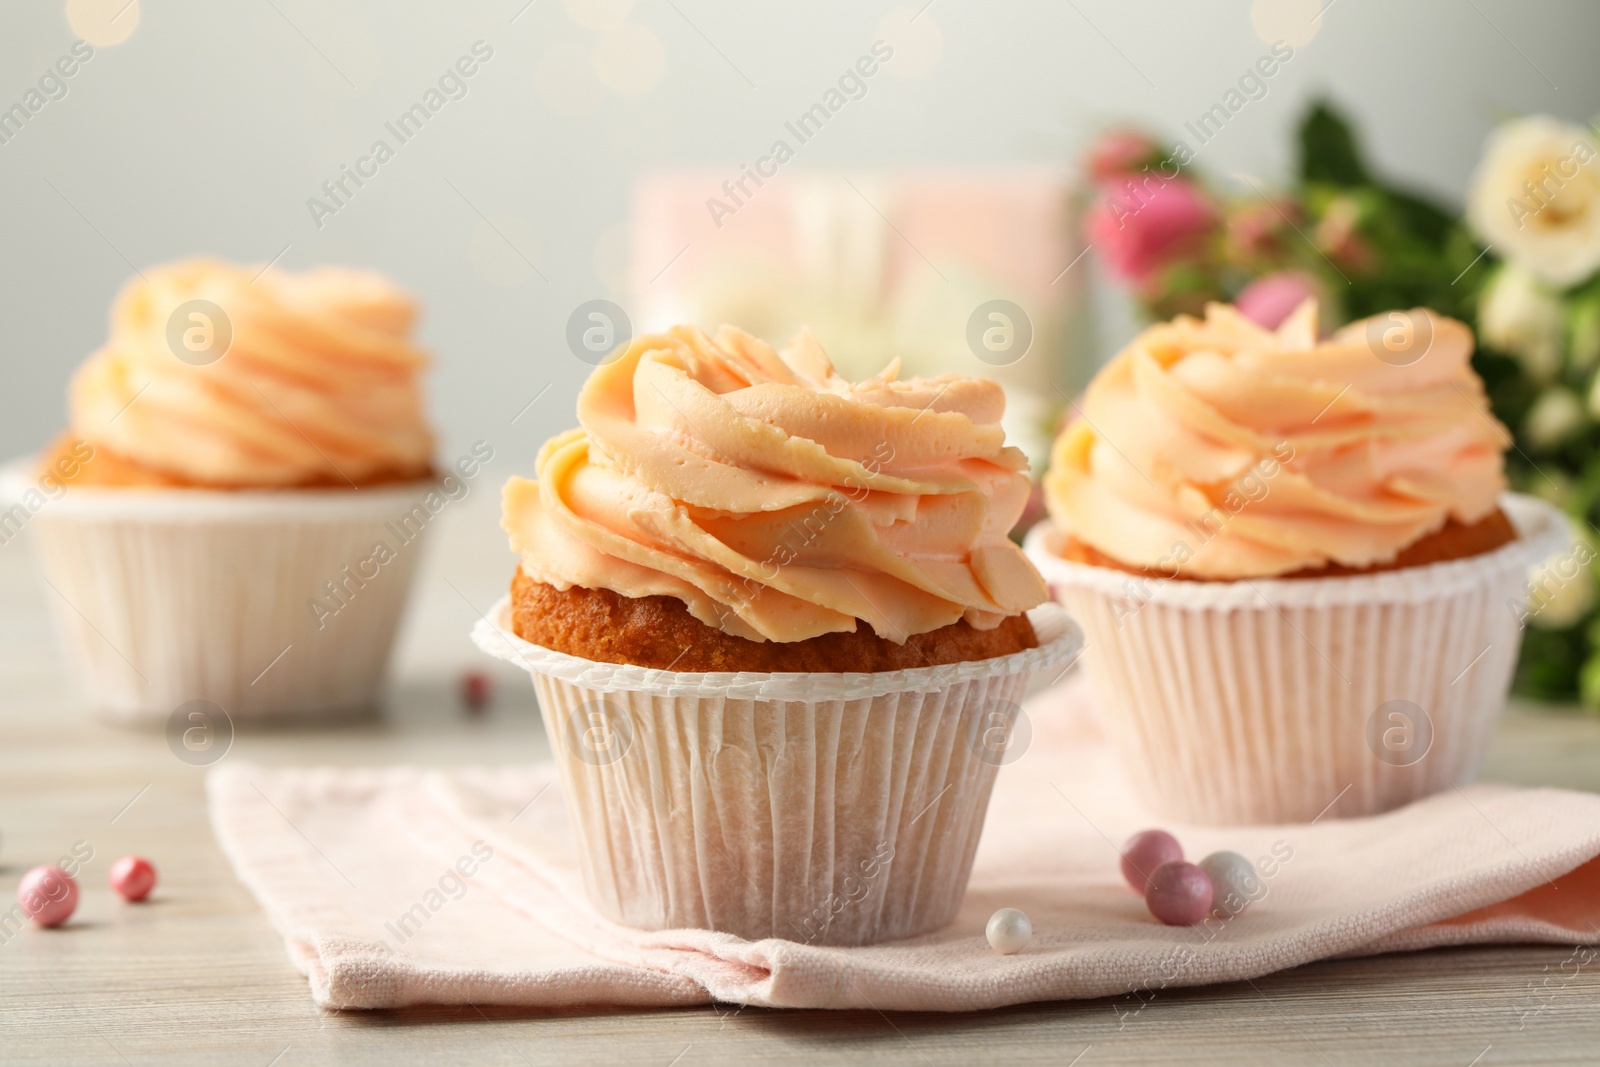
(49, 895)
(1144, 852)
(133, 877)
(1179, 894)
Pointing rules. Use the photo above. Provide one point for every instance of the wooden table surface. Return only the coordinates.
(197, 976)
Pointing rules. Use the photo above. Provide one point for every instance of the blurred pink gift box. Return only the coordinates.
(977, 273)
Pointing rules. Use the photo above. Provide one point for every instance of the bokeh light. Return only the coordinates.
(917, 41)
(103, 22)
(565, 81)
(1294, 22)
(598, 14)
(630, 59)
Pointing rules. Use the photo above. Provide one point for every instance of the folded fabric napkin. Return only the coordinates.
(406, 886)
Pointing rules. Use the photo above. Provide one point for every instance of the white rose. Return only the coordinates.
(1561, 590)
(1536, 198)
(1556, 415)
(1520, 316)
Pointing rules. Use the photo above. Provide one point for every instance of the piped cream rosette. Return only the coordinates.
(776, 500)
(220, 375)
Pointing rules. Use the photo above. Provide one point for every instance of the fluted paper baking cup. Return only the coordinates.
(1279, 700)
(836, 809)
(265, 604)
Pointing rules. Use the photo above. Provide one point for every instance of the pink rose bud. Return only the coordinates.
(1272, 298)
(1142, 223)
(1118, 152)
(1254, 228)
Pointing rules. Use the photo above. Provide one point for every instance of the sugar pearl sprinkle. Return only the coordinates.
(1009, 931)
(1177, 893)
(48, 895)
(476, 690)
(1234, 882)
(133, 877)
(1144, 852)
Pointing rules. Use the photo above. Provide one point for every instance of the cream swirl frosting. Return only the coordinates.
(1218, 449)
(777, 500)
(224, 375)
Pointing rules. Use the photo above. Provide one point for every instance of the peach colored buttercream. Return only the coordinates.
(777, 500)
(1219, 449)
(319, 383)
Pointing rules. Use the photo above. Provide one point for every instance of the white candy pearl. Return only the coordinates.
(1234, 882)
(1009, 931)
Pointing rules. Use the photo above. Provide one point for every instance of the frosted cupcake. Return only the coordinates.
(1298, 572)
(237, 453)
(778, 635)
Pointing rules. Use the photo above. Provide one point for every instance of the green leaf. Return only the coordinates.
(1422, 216)
(1552, 664)
(1328, 150)
(1589, 682)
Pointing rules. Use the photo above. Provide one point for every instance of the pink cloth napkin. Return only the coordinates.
(406, 886)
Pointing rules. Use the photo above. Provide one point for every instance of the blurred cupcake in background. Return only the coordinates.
(232, 514)
(1301, 580)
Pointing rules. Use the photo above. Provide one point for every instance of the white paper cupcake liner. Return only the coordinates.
(1278, 700)
(166, 596)
(837, 809)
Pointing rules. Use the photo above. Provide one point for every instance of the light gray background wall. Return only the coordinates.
(210, 126)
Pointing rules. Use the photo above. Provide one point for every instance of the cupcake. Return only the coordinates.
(232, 514)
(1299, 574)
(778, 634)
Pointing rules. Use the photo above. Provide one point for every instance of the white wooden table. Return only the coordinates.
(197, 975)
